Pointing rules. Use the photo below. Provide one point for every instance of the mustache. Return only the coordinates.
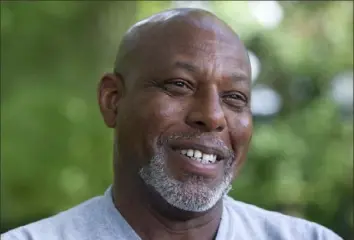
(198, 136)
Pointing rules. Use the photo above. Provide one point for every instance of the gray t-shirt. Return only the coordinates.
(98, 219)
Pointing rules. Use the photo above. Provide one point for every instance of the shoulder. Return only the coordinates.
(274, 225)
(70, 224)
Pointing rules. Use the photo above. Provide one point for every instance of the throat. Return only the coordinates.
(153, 218)
(178, 221)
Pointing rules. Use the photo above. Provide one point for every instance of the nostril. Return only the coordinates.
(205, 127)
(219, 129)
(199, 123)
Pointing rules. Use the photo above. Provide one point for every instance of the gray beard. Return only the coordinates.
(191, 195)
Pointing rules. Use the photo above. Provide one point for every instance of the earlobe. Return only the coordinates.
(110, 90)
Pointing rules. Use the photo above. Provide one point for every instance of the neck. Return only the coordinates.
(153, 218)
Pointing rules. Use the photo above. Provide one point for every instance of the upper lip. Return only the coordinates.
(204, 146)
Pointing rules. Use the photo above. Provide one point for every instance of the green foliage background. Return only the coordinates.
(56, 151)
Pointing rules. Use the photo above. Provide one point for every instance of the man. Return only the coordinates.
(179, 104)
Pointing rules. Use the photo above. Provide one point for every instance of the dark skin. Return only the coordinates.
(189, 74)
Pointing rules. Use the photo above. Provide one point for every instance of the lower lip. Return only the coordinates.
(189, 165)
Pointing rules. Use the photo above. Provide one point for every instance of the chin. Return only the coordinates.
(192, 193)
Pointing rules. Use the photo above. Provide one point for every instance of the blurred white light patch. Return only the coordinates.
(72, 179)
(265, 101)
(192, 4)
(268, 13)
(342, 89)
(76, 109)
(255, 65)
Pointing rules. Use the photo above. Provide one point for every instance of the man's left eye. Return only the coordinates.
(236, 96)
(236, 100)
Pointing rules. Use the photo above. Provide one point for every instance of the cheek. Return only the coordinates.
(240, 136)
(158, 111)
(154, 114)
(241, 131)
(142, 120)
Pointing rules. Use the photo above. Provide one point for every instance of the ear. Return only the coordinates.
(109, 92)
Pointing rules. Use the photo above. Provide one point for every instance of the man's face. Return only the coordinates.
(184, 123)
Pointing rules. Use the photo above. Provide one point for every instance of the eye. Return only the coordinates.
(177, 87)
(236, 96)
(235, 99)
(179, 83)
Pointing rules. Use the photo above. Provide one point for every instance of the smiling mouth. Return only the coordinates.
(205, 151)
(199, 156)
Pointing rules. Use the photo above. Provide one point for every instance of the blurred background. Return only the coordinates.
(56, 151)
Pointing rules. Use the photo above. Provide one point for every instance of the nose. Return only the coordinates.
(206, 113)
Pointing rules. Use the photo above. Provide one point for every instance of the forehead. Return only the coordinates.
(206, 49)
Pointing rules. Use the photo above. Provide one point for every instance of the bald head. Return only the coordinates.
(175, 24)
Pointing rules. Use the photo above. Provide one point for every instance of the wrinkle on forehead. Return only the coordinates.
(174, 28)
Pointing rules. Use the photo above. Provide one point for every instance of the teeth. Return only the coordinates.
(199, 156)
(190, 153)
(206, 157)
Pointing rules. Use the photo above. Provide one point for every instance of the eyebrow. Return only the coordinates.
(237, 76)
(240, 77)
(186, 66)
